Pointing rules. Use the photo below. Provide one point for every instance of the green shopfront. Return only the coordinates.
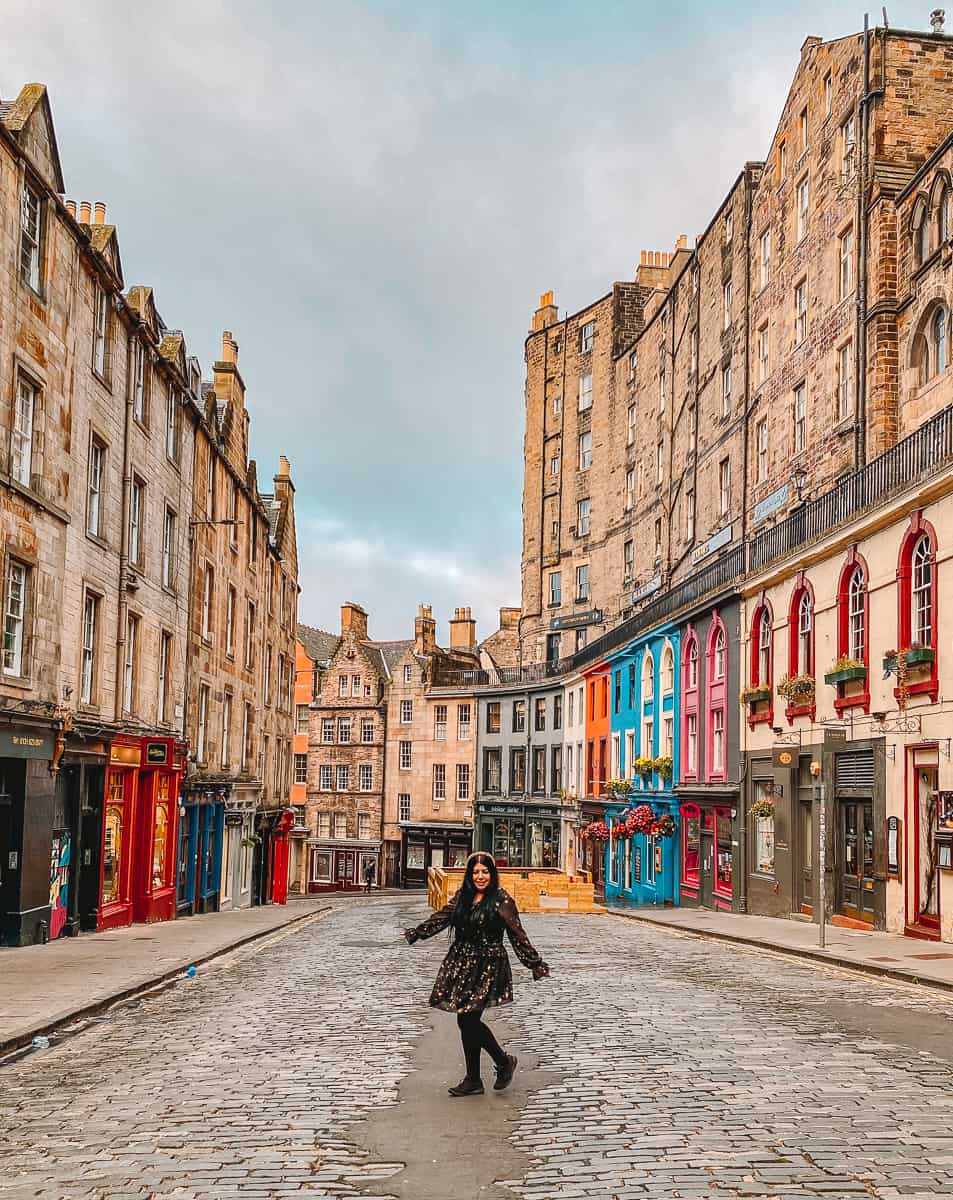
(520, 834)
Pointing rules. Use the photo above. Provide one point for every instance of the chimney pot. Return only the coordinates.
(71, 207)
(937, 17)
(100, 213)
(229, 347)
(84, 212)
(284, 467)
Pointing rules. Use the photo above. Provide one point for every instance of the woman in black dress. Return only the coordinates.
(476, 972)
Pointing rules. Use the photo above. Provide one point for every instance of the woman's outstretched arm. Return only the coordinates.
(528, 955)
(434, 924)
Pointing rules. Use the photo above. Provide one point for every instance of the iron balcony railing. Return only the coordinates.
(923, 453)
(927, 450)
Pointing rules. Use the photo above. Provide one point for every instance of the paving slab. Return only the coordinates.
(42, 987)
(888, 954)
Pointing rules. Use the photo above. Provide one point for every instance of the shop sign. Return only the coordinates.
(770, 504)
(783, 757)
(577, 620)
(501, 810)
(156, 754)
(26, 745)
(715, 542)
(235, 818)
(646, 589)
(125, 756)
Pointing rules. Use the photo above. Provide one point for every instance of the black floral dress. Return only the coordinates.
(476, 972)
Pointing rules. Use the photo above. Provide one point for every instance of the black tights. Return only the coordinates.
(476, 1037)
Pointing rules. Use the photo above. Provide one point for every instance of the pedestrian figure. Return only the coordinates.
(368, 876)
(476, 971)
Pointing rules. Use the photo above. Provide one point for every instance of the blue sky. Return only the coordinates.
(372, 196)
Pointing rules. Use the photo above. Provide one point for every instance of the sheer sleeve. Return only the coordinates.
(525, 951)
(433, 925)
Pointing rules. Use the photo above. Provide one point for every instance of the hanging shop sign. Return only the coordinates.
(715, 542)
(25, 745)
(577, 620)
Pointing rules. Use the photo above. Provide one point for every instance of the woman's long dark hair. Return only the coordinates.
(464, 901)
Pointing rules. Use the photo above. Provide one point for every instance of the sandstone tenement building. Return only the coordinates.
(104, 419)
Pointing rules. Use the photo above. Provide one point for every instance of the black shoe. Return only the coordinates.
(467, 1087)
(504, 1074)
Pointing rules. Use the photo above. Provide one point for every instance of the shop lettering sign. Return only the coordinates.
(770, 504)
(124, 756)
(653, 585)
(577, 620)
(235, 818)
(26, 745)
(715, 542)
(157, 753)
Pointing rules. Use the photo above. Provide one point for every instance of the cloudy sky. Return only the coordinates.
(371, 196)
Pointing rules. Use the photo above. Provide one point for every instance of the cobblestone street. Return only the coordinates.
(652, 1064)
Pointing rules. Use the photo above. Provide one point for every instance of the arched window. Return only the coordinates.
(648, 676)
(805, 632)
(943, 215)
(857, 615)
(922, 235)
(668, 669)
(938, 341)
(921, 592)
(691, 662)
(920, 359)
(917, 597)
(762, 662)
(718, 654)
(801, 630)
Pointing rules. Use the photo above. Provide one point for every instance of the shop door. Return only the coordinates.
(706, 891)
(346, 868)
(856, 860)
(185, 870)
(9, 864)
(923, 880)
(804, 815)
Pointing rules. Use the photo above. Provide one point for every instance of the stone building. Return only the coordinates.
(313, 651)
(346, 757)
(106, 412)
(431, 751)
(96, 502)
(242, 651)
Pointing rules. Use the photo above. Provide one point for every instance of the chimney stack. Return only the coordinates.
(84, 212)
(353, 620)
(510, 618)
(547, 314)
(99, 213)
(229, 347)
(71, 208)
(462, 630)
(425, 630)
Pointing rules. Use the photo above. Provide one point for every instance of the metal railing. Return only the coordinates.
(925, 451)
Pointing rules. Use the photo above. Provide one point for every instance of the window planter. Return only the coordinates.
(916, 656)
(845, 675)
(754, 695)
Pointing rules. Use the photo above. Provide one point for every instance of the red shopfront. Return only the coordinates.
(708, 842)
(140, 831)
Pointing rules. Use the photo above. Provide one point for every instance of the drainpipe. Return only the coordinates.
(747, 370)
(860, 358)
(123, 604)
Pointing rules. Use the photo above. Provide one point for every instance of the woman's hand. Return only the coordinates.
(541, 972)
(409, 936)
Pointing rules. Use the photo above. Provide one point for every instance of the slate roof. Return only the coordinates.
(386, 655)
(319, 645)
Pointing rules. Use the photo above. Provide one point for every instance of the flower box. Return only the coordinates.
(915, 656)
(754, 695)
(845, 675)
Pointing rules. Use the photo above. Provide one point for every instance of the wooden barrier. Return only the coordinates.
(535, 889)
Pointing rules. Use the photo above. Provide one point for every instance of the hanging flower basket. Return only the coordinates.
(596, 831)
(762, 808)
(664, 827)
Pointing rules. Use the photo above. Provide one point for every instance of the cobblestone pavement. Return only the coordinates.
(665, 1066)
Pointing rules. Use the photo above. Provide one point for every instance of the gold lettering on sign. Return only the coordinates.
(27, 741)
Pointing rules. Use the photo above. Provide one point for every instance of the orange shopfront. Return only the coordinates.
(140, 826)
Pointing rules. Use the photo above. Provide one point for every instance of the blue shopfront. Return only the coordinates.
(642, 810)
(201, 829)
